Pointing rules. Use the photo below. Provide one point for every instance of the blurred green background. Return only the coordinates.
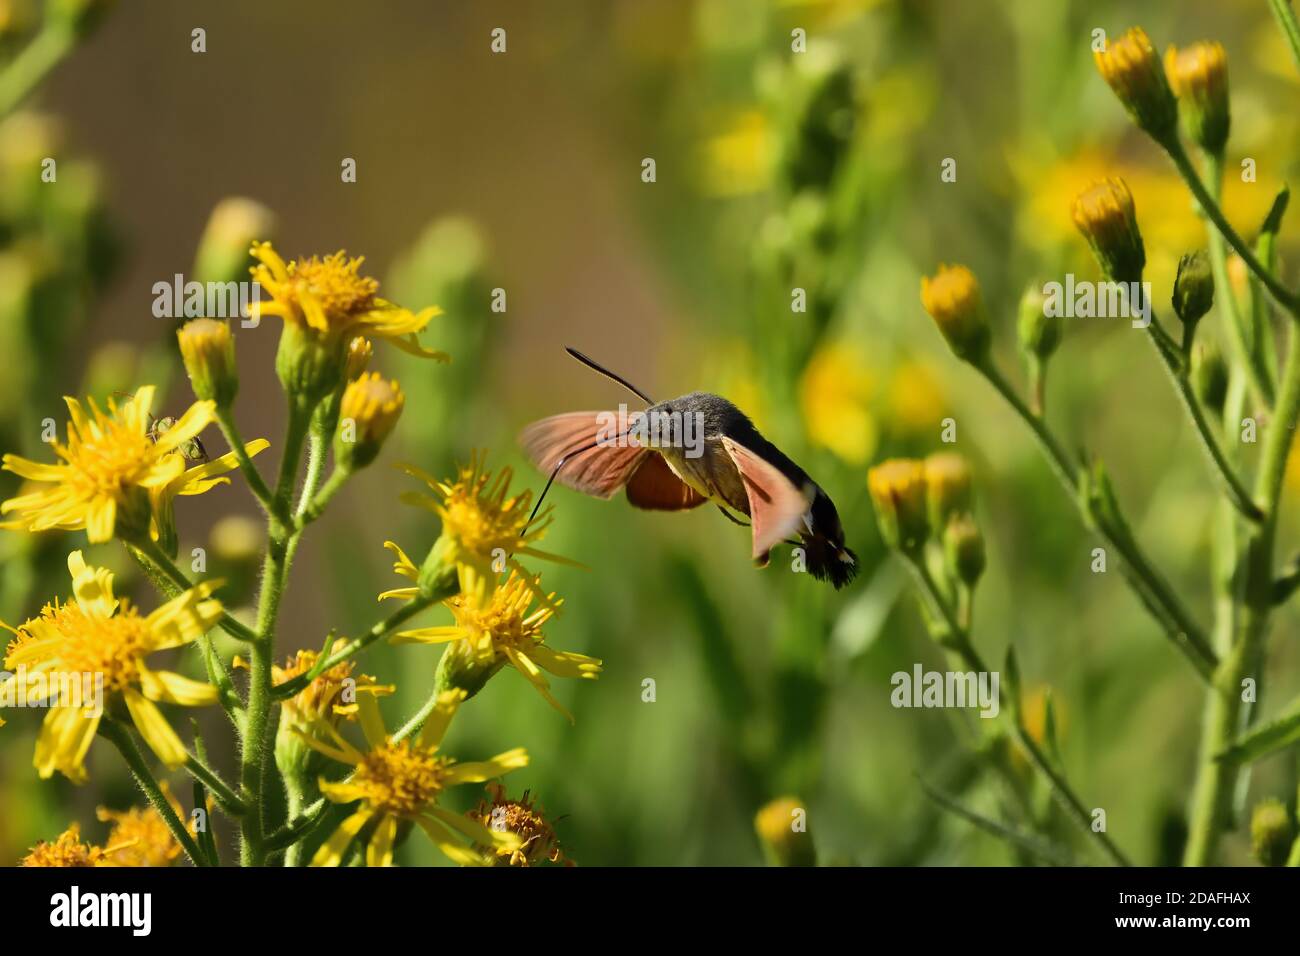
(775, 170)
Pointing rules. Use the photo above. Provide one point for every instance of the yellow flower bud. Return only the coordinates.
(782, 827)
(1198, 75)
(1105, 215)
(947, 487)
(898, 491)
(1132, 68)
(208, 350)
(358, 359)
(368, 412)
(952, 297)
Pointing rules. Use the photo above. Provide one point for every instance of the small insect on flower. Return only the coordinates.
(402, 781)
(67, 850)
(526, 819)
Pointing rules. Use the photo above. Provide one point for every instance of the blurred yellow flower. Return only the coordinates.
(117, 474)
(502, 631)
(915, 398)
(402, 781)
(139, 836)
(98, 635)
(738, 160)
(67, 850)
(836, 395)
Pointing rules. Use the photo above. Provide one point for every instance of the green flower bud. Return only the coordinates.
(1270, 832)
(1193, 289)
(1210, 377)
(963, 548)
(1039, 332)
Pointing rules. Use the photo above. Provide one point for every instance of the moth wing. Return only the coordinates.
(776, 506)
(655, 487)
(598, 471)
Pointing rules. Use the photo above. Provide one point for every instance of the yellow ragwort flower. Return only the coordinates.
(369, 411)
(67, 850)
(330, 296)
(947, 487)
(401, 781)
(1198, 75)
(953, 299)
(97, 635)
(524, 818)
(502, 631)
(1106, 216)
(139, 836)
(484, 529)
(117, 474)
(897, 489)
(1132, 69)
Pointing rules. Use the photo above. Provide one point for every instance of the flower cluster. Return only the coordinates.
(117, 477)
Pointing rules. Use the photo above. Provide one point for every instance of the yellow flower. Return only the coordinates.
(66, 851)
(1106, 217)
(952, 297)
(117, 475)
(947, 487)
(208, 351)
(97, 634)
(525, 819)
(139, 836)
(1198, 75)
(782, 829)
(836, 393)
(370, 408)
(484, 527)
(501, 631)
(897, 489)
(739, 160)
(1132, 68)
(330, 296)
(401, 781)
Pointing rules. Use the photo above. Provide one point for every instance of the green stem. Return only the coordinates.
(225, 796)
(958, 640)
(1286, 19)
(252, 758)
(1231, 485)
(1284, 296)
(256, 483)
(1217, 778)
(46, 50)
(1259, 375)
(121, 739)
(309, 511)
(172, 581)
(1152, 590)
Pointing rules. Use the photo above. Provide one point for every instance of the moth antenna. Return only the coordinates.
(597, 367)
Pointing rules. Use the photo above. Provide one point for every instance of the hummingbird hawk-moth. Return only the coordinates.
(676, 455)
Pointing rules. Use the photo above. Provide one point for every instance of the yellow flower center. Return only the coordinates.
(109, 460)
(67, 850)
(335, 282)
(112, 646)
(401, 778)
(482, 518)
